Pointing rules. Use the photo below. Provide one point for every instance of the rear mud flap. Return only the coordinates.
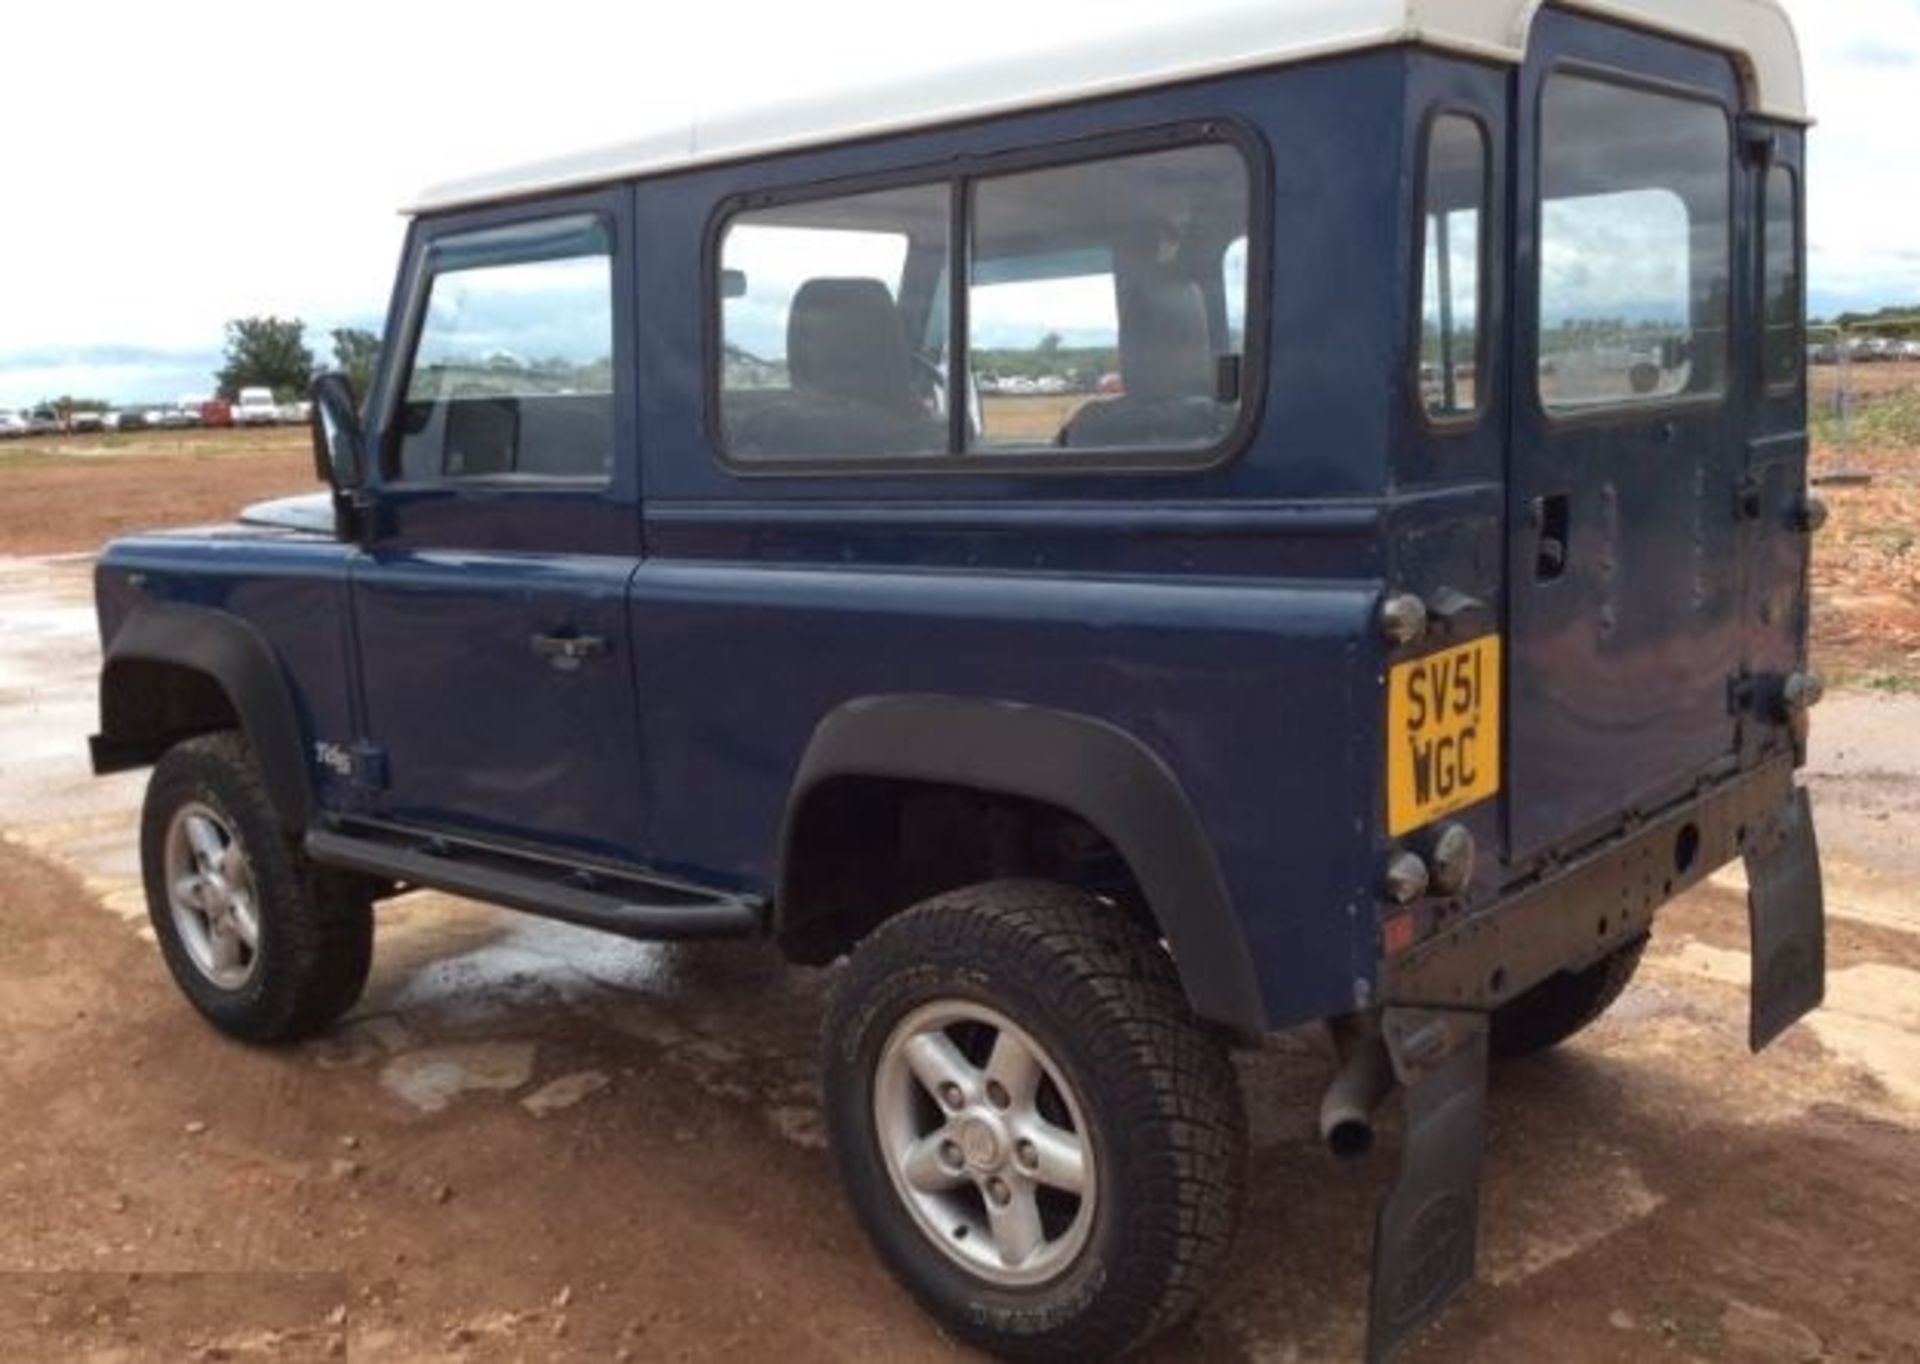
(1786, 911)
(1428, 1229)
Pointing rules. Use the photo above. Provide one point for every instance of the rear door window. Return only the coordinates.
(1635, 246)
(1783, 288)
(512, 374)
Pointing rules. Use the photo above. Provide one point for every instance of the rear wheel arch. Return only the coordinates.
(173, 673)
(886, 781)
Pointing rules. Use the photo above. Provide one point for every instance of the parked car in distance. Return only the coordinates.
(91, 420)
(296, 413)
(256, 407)
(129, 419)
(12, 424)
(184, 413)
(44, 421)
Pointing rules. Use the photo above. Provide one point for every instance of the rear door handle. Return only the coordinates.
(568, 652)
(1551, 521)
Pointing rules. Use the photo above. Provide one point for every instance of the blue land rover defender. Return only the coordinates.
(1294, 515)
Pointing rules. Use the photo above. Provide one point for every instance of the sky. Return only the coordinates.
(168, 167)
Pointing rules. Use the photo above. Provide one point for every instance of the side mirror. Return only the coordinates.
(339, 446)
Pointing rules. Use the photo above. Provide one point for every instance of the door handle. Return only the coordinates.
(568, 652)
(1551, 519)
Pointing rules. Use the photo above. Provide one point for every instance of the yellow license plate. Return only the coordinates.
(1443, 734)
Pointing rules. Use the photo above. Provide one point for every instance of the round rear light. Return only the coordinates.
(1406, 878)
(1453, 857)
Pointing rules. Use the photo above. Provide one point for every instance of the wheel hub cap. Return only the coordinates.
(980, 1143)
(984, 1140)
(211, 897)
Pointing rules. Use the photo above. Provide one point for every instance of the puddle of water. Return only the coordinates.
(433, 1077)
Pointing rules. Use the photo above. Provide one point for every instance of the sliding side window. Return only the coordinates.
(1103, 311)
(833, 324)
(1106, 309)
(512, 376)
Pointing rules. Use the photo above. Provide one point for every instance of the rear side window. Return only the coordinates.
(1783, 289)
(1453, 228)
(833, 323)
(1635, 249)
(512, 374)
(1105, 308)
(1098, 313)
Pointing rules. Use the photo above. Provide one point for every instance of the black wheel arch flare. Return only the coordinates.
(1078, 763)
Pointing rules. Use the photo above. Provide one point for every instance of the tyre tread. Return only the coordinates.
(1116, 990)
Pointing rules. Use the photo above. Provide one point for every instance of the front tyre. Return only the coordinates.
(266, 946)
(1043, 1143)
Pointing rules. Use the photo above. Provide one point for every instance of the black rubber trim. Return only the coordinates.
(1086, 766)
(233, 654)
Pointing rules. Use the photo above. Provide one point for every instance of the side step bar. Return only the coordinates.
(618, 902)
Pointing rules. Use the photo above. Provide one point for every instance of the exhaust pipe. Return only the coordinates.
(1364, 1081)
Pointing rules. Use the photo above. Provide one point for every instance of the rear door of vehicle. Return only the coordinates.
(1626, 573)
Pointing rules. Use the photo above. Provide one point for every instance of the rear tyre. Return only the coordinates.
(1563, 1005)
(1043, 1143)
(268, 947)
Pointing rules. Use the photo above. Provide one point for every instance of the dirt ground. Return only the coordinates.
(74, 493)
(532, 1142)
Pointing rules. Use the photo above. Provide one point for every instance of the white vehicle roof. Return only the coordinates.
(1201, 38)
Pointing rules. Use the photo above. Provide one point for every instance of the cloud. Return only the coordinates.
(1871, 53)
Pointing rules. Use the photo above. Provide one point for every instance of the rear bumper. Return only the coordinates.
(1590, 905)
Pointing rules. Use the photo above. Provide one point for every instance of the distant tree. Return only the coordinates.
(356, 354)
(266, 352)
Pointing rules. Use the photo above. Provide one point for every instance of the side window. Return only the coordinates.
(1784, 293)
(1097, 306)
(1046, 342)
(833, 326)
(512, 375)
(1634, 246)
(1452, 227)
(1233, 283)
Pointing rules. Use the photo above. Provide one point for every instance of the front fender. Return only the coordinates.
(134, 730)
(1086, 766)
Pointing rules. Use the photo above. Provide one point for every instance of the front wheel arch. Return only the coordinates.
(175, 672)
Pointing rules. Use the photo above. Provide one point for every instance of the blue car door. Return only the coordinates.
(502, 532)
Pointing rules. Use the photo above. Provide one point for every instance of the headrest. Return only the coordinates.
(845, 339)
(1165, 348)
